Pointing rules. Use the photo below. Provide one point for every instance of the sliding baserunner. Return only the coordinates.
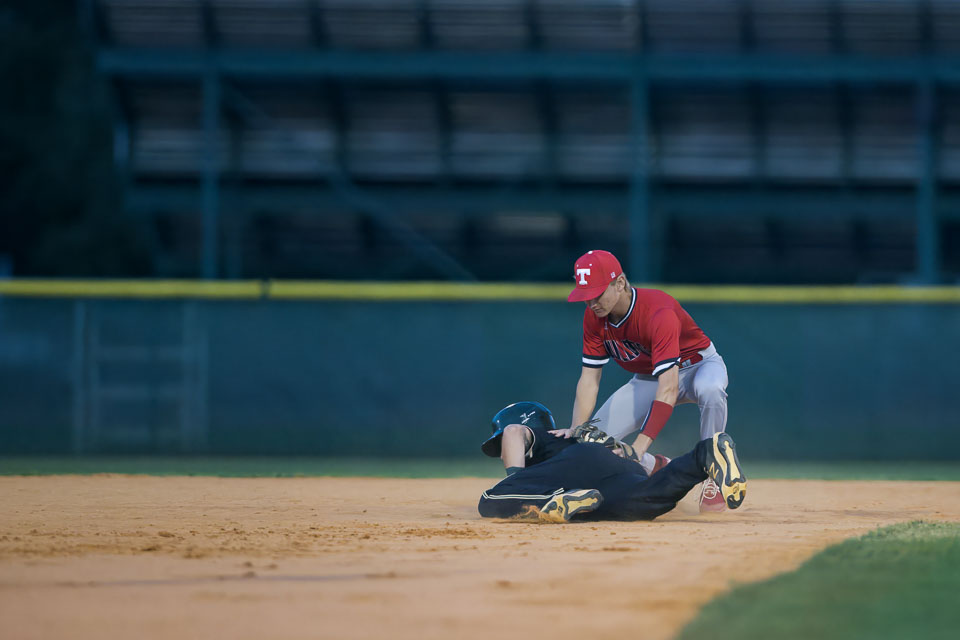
(559, 479)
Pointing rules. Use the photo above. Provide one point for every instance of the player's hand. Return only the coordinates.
(562, 433)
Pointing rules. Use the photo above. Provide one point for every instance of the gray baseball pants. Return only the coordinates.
(703, 383)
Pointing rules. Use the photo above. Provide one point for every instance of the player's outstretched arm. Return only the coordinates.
(668, 386)
(587, 389)
(513, 447)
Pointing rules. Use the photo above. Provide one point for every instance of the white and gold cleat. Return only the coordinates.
(724, 469)
(566, 505)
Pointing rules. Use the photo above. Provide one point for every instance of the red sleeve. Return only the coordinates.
(594, 353)
(664, 340)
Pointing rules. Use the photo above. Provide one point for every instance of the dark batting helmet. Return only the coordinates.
(531, 414)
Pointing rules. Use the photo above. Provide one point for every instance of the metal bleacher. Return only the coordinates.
(762, 109)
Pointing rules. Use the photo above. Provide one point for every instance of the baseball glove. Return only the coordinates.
(588, 432)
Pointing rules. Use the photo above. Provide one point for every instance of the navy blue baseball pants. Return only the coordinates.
(628, 492)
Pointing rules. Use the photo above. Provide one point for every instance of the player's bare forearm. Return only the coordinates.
(668, 386)
(586, 399)
(513, 446)
(640, 444)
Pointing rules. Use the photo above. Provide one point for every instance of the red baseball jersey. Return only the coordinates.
(655, 334)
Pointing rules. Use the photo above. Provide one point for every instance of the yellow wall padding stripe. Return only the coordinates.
(439, 291)
(398, 291)
(457, 292)
(231, 290)
(817, 295)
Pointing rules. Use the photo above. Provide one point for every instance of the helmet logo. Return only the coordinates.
(526, 417)
(582, 273)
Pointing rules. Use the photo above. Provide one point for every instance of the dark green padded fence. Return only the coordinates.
(422, 378)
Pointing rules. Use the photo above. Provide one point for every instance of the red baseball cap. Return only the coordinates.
(593, 273)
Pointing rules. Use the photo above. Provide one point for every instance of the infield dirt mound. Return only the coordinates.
(171, 558)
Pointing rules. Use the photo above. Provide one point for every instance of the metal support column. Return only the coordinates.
(928, 228)
(642, 264)
(80, 399)
(193, 380)
(210, 190)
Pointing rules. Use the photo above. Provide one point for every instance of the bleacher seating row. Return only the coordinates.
(395, 134)
(557, 148)
(802, 26)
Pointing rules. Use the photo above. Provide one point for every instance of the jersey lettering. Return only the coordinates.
(625, 350)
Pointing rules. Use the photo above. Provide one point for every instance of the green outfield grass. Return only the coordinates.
(425, 468)
(894, 583)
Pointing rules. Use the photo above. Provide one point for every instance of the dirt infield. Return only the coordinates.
(173, 557)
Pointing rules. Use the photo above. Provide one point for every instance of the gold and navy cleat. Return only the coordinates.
(724, 468)
(566, 505)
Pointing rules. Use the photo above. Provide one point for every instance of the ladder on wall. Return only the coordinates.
(141, 377)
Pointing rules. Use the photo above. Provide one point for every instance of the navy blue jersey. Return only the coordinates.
(545, 445)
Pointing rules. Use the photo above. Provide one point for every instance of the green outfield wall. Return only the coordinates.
(417, 370)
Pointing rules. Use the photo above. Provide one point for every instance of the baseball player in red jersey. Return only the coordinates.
(650, 335)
